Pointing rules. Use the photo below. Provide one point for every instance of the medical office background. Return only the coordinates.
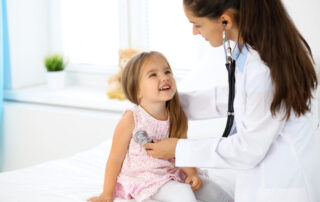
(40, 124)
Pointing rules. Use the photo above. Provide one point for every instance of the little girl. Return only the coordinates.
(148, 82)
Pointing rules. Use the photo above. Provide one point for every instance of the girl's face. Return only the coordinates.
(157, 83)
(209, 29)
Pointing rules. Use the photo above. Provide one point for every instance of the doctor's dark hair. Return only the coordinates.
(130, 81)
(266, 26)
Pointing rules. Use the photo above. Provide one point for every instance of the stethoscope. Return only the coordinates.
(231, 66)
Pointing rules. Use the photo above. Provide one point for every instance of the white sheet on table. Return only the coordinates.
(72, 179)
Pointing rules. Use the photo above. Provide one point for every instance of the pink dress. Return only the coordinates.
(141, 175)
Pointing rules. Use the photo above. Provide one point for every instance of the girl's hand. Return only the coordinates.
(102, 198)
(195, 182)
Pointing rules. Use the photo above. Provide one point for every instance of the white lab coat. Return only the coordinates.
(278, 160)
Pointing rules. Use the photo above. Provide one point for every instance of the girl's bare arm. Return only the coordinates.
(121, 139)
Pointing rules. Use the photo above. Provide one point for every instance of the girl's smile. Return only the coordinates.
(165, 88)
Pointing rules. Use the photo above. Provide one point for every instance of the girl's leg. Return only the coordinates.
(174, 191)
(210, 192)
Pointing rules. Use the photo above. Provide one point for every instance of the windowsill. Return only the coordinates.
(70, 96)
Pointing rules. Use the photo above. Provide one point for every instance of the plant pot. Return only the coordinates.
(55, 80)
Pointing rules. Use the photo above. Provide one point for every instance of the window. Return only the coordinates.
(170, 32)
(94, 30)
(90, 32)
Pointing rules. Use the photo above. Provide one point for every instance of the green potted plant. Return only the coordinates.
(55, 65)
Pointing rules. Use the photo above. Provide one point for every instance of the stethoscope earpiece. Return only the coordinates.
(224, 22)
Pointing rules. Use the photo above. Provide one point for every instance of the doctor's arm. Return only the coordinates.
(255, 133)
(205, 103)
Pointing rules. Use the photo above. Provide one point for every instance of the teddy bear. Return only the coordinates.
(114, 89)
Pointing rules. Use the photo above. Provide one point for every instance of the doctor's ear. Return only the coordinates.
(226, 20)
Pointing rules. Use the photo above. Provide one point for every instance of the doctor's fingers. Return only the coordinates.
(150, 150)
(149, 146)
(152, 154)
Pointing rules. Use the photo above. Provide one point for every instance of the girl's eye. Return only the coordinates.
(197, 26)
(152, 75)
(168, 72)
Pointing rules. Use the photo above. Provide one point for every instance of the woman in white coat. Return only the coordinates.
(274, 142)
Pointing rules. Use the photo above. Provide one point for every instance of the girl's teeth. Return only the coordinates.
(165, 88)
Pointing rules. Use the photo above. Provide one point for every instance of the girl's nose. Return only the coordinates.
(165, 78)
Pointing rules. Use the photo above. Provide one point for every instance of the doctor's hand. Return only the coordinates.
(164, 149)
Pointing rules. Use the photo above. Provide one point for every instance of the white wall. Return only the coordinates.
(305, 14)
(36, 133)
(28, 35)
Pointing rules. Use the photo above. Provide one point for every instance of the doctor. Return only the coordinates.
(274, 138)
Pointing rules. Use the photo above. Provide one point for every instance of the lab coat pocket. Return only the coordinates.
(283, 195)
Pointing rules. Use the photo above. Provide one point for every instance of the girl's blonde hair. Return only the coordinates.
(130, 84)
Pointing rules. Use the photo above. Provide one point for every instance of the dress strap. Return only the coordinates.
(135, 112)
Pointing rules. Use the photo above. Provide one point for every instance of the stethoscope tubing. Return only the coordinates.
(230, 65)
(231, 79)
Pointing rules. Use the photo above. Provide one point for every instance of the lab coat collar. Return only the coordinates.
(240, 56)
